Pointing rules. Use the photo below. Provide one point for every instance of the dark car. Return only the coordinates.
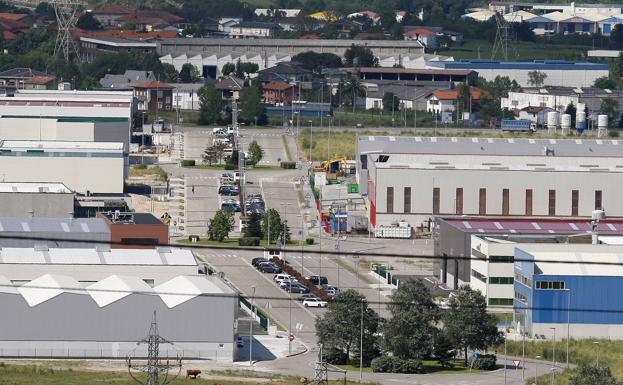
(318, 280)
(228, 190)
(231, 206)
(269, 267)
(295, 288)
(256, 261)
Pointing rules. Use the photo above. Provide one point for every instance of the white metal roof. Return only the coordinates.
(6, 286)
(47, 287)
(59, 145)
(548, 259)
(116, 287)
(78, 256)
(34, 187)
(184, 288)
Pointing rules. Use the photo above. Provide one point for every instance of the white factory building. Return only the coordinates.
(94, 167)
(414, 179)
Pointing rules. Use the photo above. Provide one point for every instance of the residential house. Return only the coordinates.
(407, 94)
(558, 98)
(288, 72)
(254, 29)
(109, 15)
(400, 16)
(280, 93)
(24, 79)
(534, 114)
(445, 100)
(186, 96)
(12, 24)
(150, 20)
(225, 23)
(277, 12)
(126, 81)
(346, 27)
(373, 16)
(424, 36)
(230, 87)
(154, 95)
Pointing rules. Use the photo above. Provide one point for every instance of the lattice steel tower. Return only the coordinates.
(157, 372)
(66, 17)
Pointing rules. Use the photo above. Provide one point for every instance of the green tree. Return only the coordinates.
(593, 375)
(571, 110)
(228, 69)
(353, 89)
(616, 37)
(189, 73)
(443, 350)
(463, 99)
(251, 105)
(605, 82)
(169, 73)
(536, 78)
(339, 329)
(390, 102)
(615, 70)
(255, 152)
(88, 22)
(409, 332)
(244, 69)
(360, 56)
(467, 322)
(315, 61)
(210, 155)
(210, 105)
(221, 225)
(271, 225)
(285, 236)
(610, 107)
(254, 226)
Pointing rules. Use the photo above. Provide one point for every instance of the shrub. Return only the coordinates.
(140, 167)
(309, 241)
(336, 357)
(485, 362)
(613, 134)
(229, 166)
(249, 241)
(387, 364)
(188, 163)
(288, 165)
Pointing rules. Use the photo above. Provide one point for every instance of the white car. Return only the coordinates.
(314, 302)
(283, 277)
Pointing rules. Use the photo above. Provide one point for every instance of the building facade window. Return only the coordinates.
(458, 209)
(505, 201)
(479, 276)
(551, 208)
(575, 198)
(436, 200)
(528, 202)
(390, 200)
(482, 201)
(523, 280)
(478, 254)
(501, 280)
(407, 199)
(521, 298)
(598, 200)
(550, 285)
(501, 259)
(501, 301)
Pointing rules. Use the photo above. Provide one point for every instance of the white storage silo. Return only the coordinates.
(580, 121)
(602, 126)
(552, 122)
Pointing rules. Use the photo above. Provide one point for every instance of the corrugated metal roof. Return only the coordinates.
(532, 225)
(116, 287)
(33, 187)
(47, 287)
(184, 288)
(568, 259)
(60, 145)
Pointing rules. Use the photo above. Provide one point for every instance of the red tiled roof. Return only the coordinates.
(453, 94)
(8, 35)
(12, 25)
(112, 9)
(419, 32)
(39, 80)
(277, 86)
(150, 17)
(12, 16)
(153, 84)
(128, 34)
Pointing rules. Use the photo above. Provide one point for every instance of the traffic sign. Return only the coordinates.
(291, 337)
(516, 362)
(279, 245)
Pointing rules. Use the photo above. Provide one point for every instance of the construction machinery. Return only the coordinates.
(332, 166)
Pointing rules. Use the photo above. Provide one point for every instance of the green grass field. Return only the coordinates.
(430, 366)
(481, 49)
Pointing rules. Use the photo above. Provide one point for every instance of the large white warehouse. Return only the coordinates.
(417, 178)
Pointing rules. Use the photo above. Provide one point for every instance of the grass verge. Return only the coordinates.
(430, 366)
(286, 148)
(228, 243)
(358, 273)
(143, 170)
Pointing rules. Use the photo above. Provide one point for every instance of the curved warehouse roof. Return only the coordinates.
(519, 65)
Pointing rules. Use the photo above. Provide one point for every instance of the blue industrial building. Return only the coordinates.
(309, 110)
(586, 298)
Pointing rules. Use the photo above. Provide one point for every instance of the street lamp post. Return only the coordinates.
(597, 343)
(553, 353)
(251, 327)
(311, 139)
(536, 369)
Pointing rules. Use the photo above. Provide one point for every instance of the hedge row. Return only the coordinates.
(288, 165)
(249, 241)
(485, 362)
(301, 278)
(390, 364)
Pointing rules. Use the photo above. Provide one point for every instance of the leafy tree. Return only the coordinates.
(214, 153)
(408, 332)
(571, 110)
(463, 99)
(221, 225)
(285, 236)
(88, 22)
(610, 107)
(522, 31)
(360, 56)
(315, 61)
(593, 375)
(255, 152)
(353, 89)
(616, 37)
(271, 225)
(605, 82)
(390, 102)
(444, 350)
(254, 226)
(615, 70)
(210, 105)
(251, 105)
(169, 73)
(467, 322)
(228, 69)
(189, 73)
(243, 69)
(339, 329)
(536, 78)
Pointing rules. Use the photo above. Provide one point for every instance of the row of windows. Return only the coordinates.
(479, 276)
(521, 298)
(550, 285)
(523, 280)
(501, 280)
(482, 201)
(493, 258)
(501, 301)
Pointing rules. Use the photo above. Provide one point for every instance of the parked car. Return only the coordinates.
(228, 190)
(295, 288)
(307, 296)
(269, 267)
(256, 261)
(314, 302)
(318, 280)
(231, 205)
(282, 277)
(331, 291)
(285, 283)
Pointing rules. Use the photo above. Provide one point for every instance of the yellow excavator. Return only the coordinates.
(333, 165)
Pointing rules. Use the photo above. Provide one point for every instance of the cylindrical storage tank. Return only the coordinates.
(565, 121)
(580, 121)
(552, 119)
(602, 121)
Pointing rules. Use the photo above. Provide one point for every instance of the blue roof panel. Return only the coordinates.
(519, 65)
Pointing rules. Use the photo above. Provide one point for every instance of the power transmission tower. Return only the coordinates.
(501, 37)
(66, 17)
(321, 372)
(154, 367)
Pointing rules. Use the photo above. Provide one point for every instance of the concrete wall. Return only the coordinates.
(567, 78)
(98, 175)
(73, 325)
(450, 242)
(50, 205)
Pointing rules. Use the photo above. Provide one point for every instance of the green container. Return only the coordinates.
(352, 188)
